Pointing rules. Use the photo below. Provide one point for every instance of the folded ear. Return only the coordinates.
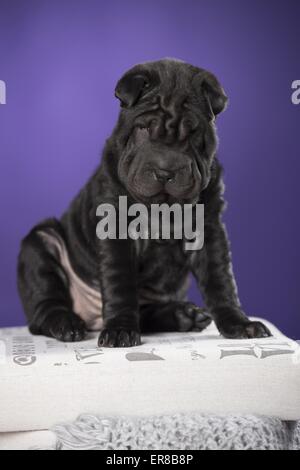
(214, 93)
(130, 87)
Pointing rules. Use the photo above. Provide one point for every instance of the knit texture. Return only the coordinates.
(178, 432)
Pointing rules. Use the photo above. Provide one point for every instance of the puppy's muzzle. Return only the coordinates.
(164, 169)
(160, 172)
(180, 176)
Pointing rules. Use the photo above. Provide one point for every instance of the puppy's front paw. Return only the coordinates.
(119, 338)
(64, 326)
(244, 330)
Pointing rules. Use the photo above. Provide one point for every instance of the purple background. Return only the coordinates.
(61, 60)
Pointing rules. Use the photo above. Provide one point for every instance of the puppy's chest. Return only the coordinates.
(163, 259)
(163, 274)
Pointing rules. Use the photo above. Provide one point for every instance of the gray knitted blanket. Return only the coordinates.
(178, 432)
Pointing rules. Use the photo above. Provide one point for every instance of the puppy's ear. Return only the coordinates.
(130, 88)
(214, 93)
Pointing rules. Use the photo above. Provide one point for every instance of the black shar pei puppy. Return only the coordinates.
(163, 149)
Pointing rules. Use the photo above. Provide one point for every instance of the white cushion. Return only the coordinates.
(27, 440)
(44, 382)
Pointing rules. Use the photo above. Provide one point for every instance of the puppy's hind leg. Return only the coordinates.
(173, 316)
(44, 288)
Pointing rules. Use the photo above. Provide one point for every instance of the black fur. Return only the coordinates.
(163, 149)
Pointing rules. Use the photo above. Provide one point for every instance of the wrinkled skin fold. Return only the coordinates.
(162, 150)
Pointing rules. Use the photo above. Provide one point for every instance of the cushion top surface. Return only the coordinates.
(44, 382)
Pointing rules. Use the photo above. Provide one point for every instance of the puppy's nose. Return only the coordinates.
(163, 176)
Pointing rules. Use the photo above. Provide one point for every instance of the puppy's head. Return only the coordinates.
(166, 130)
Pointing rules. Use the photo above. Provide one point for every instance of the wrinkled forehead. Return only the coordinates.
(172, 80)
(169, 74)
